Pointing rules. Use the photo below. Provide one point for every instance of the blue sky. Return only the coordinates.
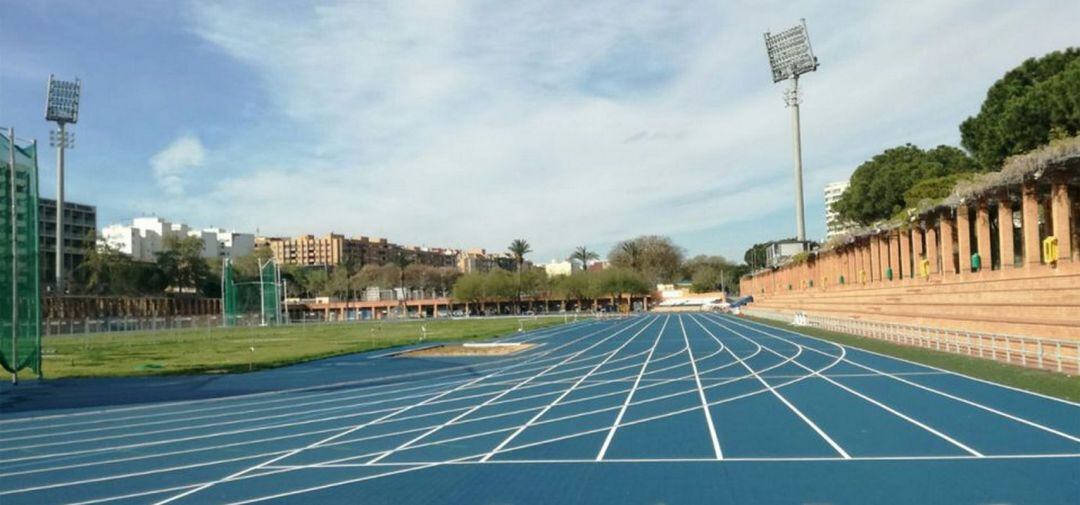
(469, 124)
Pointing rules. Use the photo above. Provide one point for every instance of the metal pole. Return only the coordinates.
(793, 101)
(14, 262)
(61, 142)
(262, 296)
(285, 297)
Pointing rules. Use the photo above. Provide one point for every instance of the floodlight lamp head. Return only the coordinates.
(790, 54)
(62, 101)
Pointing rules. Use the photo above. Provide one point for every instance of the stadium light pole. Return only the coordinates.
(790, 56)
(61, 107)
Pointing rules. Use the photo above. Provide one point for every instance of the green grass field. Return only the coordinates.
(226, 350)
(1048, 383)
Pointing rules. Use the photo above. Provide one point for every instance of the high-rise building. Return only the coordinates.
(80, 222)
(833, 224)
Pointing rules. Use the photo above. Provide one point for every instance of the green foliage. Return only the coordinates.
(182, 265)
(107, 271)
(707, 273)
(519, 248)
(657, 258)
(583, 255)
(1032, 104)
(934, 189)
(620, 281)
(878, 186)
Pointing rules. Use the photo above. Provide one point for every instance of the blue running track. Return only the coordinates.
(691, 408)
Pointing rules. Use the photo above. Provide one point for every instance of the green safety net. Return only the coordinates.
(251, 302)
(20, 301)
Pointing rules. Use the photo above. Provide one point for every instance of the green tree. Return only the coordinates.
(1029, 106)
(656, 257)
(934, 189)
(617, 281)
(878, 185)
(583, 255)
(519, 248)
(182, 264)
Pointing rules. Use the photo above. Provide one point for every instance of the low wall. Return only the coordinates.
(1025, 302)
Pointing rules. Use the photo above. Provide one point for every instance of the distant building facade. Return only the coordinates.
(80, 224)
(833, 224)
(334, 249)
(564, 267)
(146, 236)
(778, 253)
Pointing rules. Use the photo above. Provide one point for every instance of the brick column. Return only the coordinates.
(1030, 207)
(905, 254)
(932, 249)
(947, 234)
(894, 252)
(916, 250)
(963, 238)
(865, 249)
(875, 258)
(1005, 233)
(982, 235)
(1060, 210)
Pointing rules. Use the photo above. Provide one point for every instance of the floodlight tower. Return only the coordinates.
(61, 107)
(790, 56)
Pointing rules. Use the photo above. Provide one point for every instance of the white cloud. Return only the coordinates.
(172, 164)
(473, 123)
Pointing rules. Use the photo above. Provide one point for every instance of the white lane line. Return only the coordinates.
(456, 439)
(489, 432)
(987, 408)
(241, 397)
(261, 428)
(879, 404)
(630, 396)
(713, 461)
(569, 390)
(489, 401)
(701, 393)
(338, 435)
(817, 429)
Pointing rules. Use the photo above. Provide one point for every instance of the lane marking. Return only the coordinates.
(238, 398)
(701, 393)
(938, 392)
(487, 402)
(867, 398)
(817, 429)
(339, 435)
(569, 390)
(630, 396)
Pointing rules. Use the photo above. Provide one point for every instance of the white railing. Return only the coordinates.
(1034, 352)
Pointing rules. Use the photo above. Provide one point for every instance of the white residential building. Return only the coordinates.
(833, 225)
(145, 237)
(565, 267)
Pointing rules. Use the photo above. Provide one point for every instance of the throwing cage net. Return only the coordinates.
(251, 301)
(20, 301)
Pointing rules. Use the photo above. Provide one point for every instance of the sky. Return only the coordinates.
(472, 123)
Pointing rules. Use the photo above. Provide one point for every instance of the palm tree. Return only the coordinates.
(519, 248)
(584, 255)
(632, 250)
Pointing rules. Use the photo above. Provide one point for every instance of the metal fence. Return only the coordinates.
(75, 327)
(1034, 352)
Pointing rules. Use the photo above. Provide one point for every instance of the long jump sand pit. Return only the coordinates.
(470, 349)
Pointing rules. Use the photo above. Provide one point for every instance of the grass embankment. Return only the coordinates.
(1054, 384)
(225, 350)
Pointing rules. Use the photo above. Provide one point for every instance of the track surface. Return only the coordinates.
(654, 409)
